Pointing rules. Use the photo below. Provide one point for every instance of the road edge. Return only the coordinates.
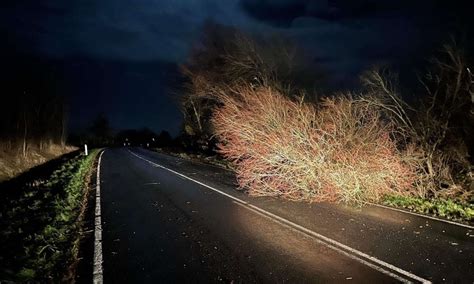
(98, 272)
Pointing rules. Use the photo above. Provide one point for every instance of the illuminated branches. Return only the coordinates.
(353, 148)
(282, 147)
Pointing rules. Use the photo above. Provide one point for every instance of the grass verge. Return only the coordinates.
(449, 209)
(13, 163)
(41, 223)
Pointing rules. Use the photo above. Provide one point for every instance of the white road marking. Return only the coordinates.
(422, 215)
(98, 273)
(373, 266)
(373, 262)
(369, 203)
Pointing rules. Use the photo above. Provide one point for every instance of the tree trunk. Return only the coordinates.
(198, 118)
(63, 130)
(25, 133)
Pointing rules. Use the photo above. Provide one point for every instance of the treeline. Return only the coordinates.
(101, 134)
(144, 138)
(33, 113)
(250, 100)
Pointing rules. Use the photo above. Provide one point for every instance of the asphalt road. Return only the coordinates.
(166, 219)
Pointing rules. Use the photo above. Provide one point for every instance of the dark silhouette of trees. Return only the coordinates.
(100, 132)
(143, 137)
(164, 139)
(33, 113)
(226, 57)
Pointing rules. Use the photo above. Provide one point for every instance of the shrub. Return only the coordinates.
(340, 151)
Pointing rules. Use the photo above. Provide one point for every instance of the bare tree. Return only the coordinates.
(433, 130)
(34, 115)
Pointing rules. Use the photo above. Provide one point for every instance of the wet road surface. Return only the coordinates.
(166, 219)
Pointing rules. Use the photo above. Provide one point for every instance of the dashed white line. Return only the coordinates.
(373, 262)
(98, 272)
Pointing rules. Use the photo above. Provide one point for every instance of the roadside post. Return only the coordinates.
(85, 150)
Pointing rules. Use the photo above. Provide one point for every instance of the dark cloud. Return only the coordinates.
(279, 13)
(284, 12)
(354, 34)
(115, 57)
(123, 53)
(135, 30)
(127, 29)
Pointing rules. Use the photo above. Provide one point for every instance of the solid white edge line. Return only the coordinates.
(422, 215)
(356, 254)
(338, 250)
(401, 210)
(98, 272)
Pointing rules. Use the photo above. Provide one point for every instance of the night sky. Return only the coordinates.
(120, 57)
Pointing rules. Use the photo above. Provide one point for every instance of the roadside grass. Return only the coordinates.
(40, 223)
(445, 208)
(13, 163)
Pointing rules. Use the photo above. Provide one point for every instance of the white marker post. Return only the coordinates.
(85, 150)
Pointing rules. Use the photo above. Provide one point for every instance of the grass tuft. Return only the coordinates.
(449, 209)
